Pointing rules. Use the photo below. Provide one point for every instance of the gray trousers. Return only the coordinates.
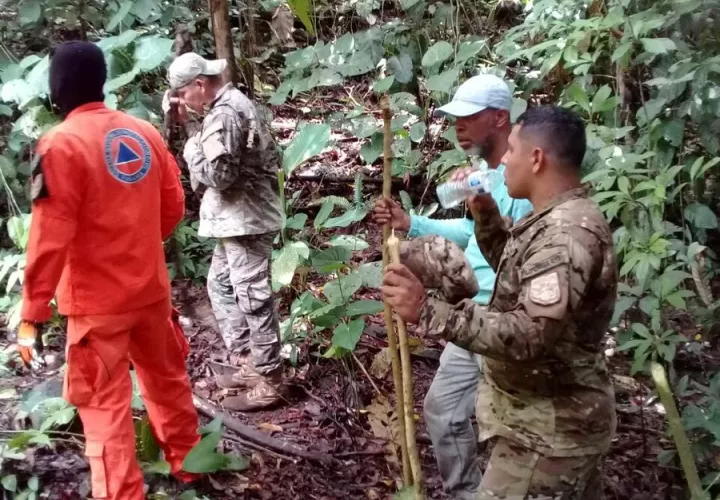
(242, 300)
(449, 405)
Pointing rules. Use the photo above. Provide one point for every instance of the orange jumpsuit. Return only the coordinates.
(106, 192)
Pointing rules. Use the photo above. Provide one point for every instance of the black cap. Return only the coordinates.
(77, 75)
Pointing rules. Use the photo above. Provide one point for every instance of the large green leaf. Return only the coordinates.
(348, 335)
(284, 265)
(402, 67)
(38, 76)
(30, 12)
(650, 110)
(203, 458)
(371, 274)
(359, 307)
(701, 216)
(468, 50)
(310, 141)
(360, 63)
(120, 81)
(324, 213)
(303, 9)
(121, 14)
(444, 82)
(325, 77)
(355, 214)
(371, 150)
(151, 52)
(658, 45)
(331, 259)
(348, 241)
(341, 290)
(436, 54)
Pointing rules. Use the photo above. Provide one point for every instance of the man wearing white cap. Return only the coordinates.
(234, 157)
(481, 108)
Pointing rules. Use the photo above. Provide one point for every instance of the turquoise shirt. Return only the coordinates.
(462, 232)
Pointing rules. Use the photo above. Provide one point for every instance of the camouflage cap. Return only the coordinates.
(185, 68)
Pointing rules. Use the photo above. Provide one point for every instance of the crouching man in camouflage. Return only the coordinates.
(234, 157)
(548, 401)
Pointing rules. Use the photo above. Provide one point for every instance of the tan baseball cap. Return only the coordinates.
(185, 68)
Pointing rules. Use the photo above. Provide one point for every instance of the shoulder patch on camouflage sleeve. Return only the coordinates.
(556, 259)
(545, 290)
(38, 188)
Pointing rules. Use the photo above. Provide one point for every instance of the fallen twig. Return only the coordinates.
(251, 434)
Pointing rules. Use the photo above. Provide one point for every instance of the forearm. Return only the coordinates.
(217, 174)
(509, 336)
(491, 234)
(47, 251)
(459, 231)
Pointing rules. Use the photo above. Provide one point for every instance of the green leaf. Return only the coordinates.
(436, 54)
(352, 242)
(296, 222)
(650, 110)
(466, 50)
(237, 463)
(30, 12)
(658, 45)
(341, 290)
(404, 101)
(151, 52)
(331, 259)
(348, 335)
(323, 214)
(325, 77)
(203, 459)
(371, 150)
(364, 307)
(621, 51)
(284, 265)
(701, 216)
(384, 84)
(302, 9)
(122, 12)
(417, 131)
(120, 81)
(9, 482)
(406, 4)
(577, 94)
(310, 141)
(355, 214)
(402, 67)
(519, 106)
(676, 300)
(214, 426)
(443, 82)
(160, 467)
(641, 330)
(34, 484)
(360, 63)
(371, 273)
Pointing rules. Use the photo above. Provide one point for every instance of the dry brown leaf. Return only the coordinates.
(269, 427)
(381, 363)
(384, 425)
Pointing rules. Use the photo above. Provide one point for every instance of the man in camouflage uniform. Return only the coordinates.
(548, 401)
(234, 157)
(481, 108)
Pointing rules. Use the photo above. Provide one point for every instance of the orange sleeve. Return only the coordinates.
(57, 193)
(172, 202)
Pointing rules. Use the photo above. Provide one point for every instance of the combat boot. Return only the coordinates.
(266, 393)
(243, 377)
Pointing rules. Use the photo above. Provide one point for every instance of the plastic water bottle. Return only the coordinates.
(452, 193)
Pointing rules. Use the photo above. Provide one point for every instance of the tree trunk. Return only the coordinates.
(250, 46)
(220, 15)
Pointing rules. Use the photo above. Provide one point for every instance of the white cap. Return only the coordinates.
(185, 68)
(476, 94)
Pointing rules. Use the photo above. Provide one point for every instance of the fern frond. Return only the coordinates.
(339, 201)
(358, 190)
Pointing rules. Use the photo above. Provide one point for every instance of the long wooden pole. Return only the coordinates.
(393, 245)
(389, 325)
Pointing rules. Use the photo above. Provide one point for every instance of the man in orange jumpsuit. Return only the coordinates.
(105, 193)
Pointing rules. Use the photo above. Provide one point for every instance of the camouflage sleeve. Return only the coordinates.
(553, 280)
(491, 234)
(212, 157)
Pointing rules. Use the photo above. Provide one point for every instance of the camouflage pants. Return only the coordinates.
(518, 473)
(242, 299)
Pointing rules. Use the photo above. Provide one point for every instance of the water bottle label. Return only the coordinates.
(475, 182)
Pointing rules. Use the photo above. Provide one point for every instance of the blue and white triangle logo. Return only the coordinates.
(127, 155)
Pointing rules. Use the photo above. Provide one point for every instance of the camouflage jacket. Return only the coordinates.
(235, 157)
(548, 387)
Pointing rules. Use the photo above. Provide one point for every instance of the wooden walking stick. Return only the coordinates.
(393, 245)
(389, 325)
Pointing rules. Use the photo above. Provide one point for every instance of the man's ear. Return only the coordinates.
(503, 118)
(538, 160)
